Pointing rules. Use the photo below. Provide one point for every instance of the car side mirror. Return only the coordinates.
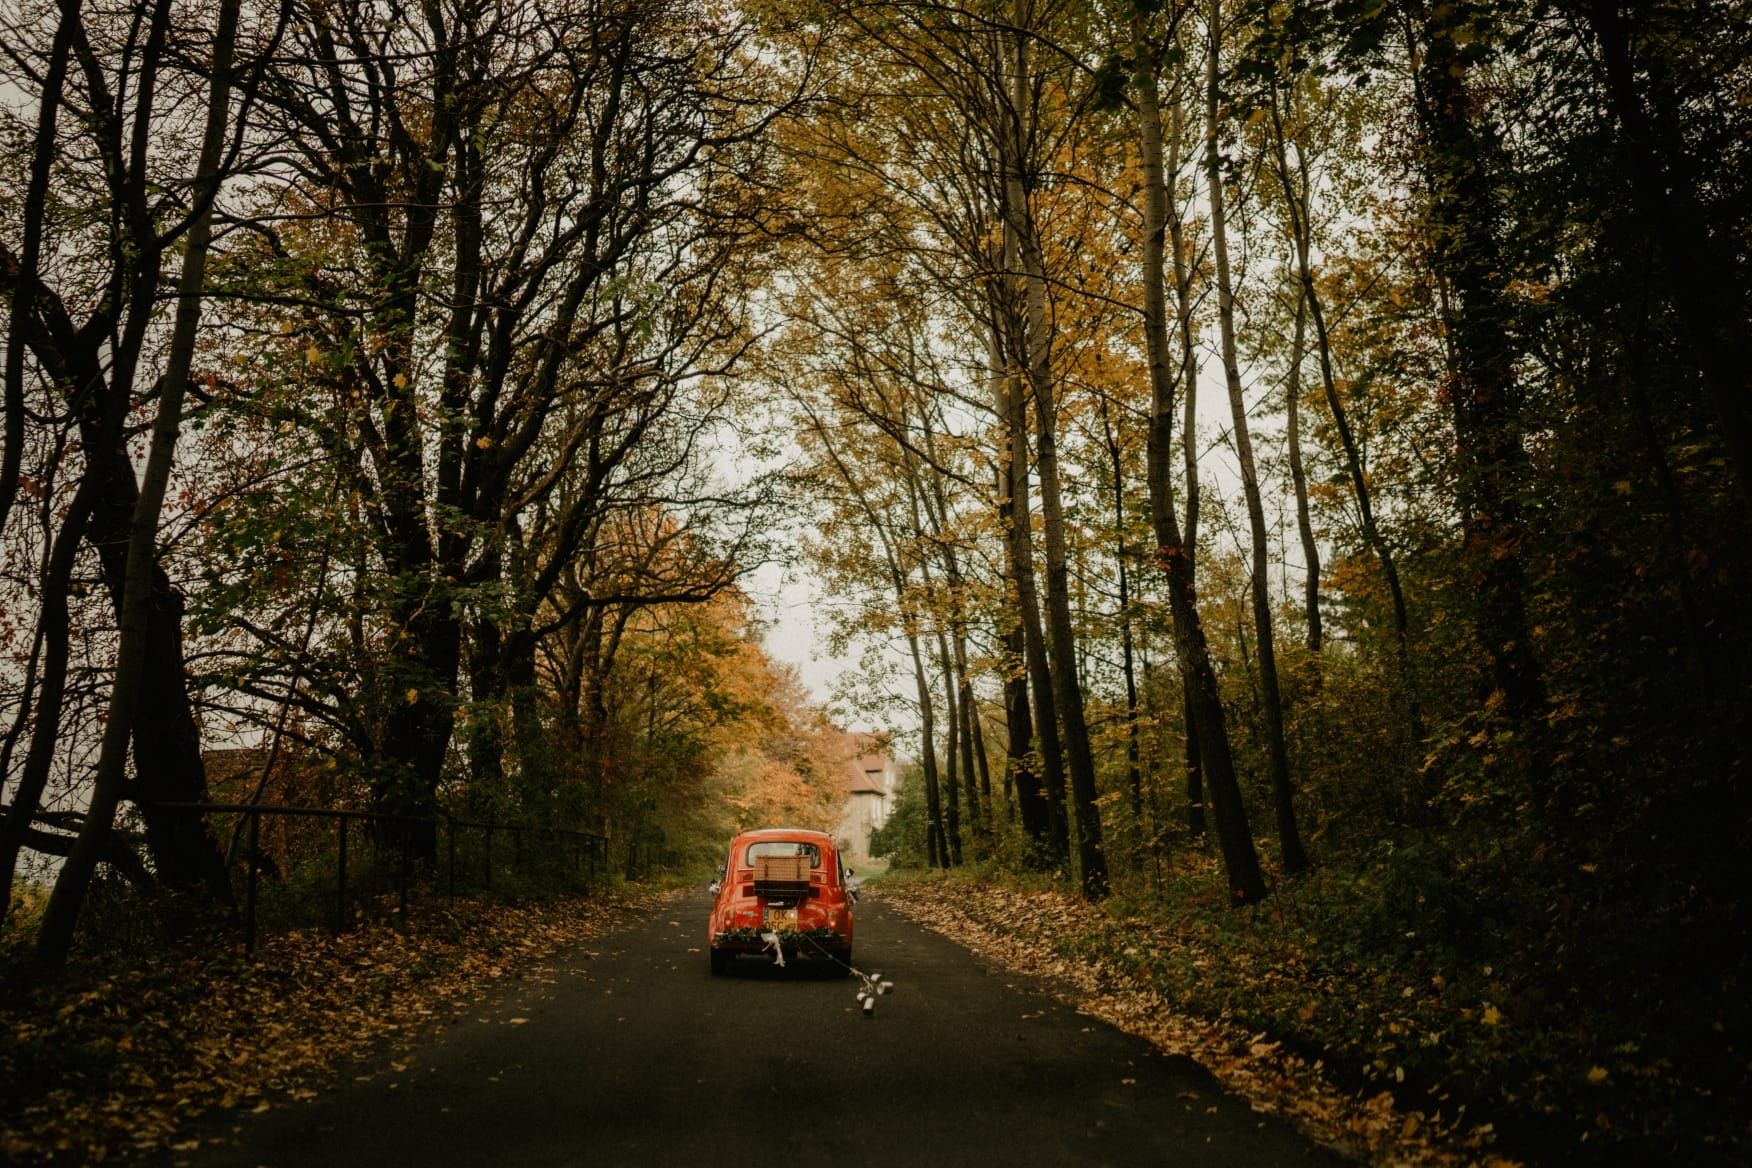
(712, 888)
(849, 872)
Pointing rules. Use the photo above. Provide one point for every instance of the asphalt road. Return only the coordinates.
(630, 1053)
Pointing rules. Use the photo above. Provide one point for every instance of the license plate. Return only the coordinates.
(781, 918)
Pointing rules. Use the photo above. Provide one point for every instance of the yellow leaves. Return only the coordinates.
(186, 1033)
(483, 443)
(1491, 1016)
(1031, 931)
(413, 695)
(313, 355)
(1596, 1075)
(401, 380)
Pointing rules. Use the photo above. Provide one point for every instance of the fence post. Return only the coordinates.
(341, 882)
(255, 860)
(450, 835)
(489, 851)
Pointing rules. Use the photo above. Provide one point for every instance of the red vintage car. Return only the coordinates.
(782, 896)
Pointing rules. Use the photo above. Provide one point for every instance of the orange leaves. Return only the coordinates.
(124, 1063)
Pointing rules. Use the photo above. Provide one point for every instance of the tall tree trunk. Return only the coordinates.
(1014, 315)
(951, 795)
(1299, 483)
(1067, 691)
(1240, 861)
(417, 734)
(936, 840)
(1019, 774)
(1297, 197)
(592, 719)
(486, 732)
(1127, 646)
(1186, 378)
(1295, 859)
(1299, 235)
(1462, 159)
(537, 780)
(1698, 270)
(1033, 637)
(52, 621)
(975, 738)
(936, 846)
(952, 755)
(24, 287)
(973, 760)
(1040, 679)
(151, 612)
(951, 641)
(1194, 763)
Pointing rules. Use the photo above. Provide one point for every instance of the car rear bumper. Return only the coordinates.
(824, 944)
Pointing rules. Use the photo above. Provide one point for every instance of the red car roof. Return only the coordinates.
(785, 833)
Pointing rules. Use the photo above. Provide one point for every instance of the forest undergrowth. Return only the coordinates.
(115, 1061)
(1386, 1044)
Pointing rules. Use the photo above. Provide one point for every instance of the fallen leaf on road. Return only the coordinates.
(186, 1030)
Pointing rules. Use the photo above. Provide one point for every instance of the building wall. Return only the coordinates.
(870, 778)
(864, 812)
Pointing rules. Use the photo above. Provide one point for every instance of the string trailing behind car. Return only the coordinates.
(782, 896)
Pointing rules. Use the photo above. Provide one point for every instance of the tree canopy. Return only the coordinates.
(1256, 438)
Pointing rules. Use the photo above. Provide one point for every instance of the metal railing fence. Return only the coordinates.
(359, 866)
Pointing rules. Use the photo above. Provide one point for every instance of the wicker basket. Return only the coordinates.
(781, 869)
(781, 879)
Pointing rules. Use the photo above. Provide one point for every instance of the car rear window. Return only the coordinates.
(783, 848)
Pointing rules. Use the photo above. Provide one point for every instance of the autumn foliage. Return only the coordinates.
(1282, 467)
